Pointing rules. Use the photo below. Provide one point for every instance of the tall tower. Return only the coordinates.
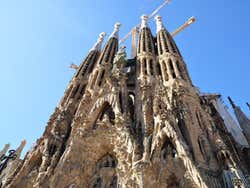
(243, 120)
(134, 123)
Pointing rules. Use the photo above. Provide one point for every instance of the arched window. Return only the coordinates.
(165, 72)
(94, 78)
(159, 69)
(151, 67)
(168, 148)
(105, 175)
(107, 109)
(92, 63)
(164, 40)
(74, 92)
(172, 68)
(81, 92)
(101, 78)
(52, 149)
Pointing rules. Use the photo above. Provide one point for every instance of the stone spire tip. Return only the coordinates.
(144, 21)
(115, 33)
(159, 24)
(97, 46)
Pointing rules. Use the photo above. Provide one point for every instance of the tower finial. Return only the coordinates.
(115, 33)
(159, 24)
(231, 102)
(144, 21)
(97, 46)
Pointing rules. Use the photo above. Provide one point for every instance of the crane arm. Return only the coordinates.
(150, 16)
(184, 26)
(73, 66)
(159, 8)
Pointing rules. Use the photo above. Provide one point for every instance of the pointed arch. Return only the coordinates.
(151, 67)
(93, 63)
(101, 78)
(168, 149)
(159, 69)
(105, 165)
(172, 68)
(108, 110)
(165, 41)
(74, 91)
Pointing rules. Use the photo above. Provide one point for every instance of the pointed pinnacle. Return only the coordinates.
(144, 21)
(159, 24)
(115, 33)
(97, 46)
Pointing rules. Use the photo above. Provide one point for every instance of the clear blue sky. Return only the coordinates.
(39, 40)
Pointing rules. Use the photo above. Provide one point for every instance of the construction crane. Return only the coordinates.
(73, 66)
(184, 26)
(135, 30)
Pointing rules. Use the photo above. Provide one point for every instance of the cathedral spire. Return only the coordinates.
(144, 21)
(97, 46)
(111, 47)
(242, 118)
(106, 58)
(115, 33)
(159, 24)
(171, 65)
(146, 39)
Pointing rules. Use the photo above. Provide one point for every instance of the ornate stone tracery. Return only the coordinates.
(133, 123)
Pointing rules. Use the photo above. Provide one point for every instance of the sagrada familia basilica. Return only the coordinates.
(135, 123)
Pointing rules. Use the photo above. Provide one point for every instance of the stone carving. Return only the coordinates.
(139, 123)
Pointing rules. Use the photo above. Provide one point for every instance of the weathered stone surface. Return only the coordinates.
(134, 123)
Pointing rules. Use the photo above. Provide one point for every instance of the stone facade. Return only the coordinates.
(134, 123)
